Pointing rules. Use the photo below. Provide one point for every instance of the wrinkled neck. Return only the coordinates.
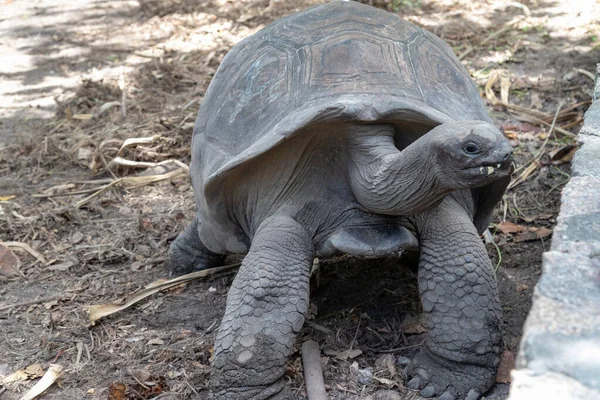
(386, 180)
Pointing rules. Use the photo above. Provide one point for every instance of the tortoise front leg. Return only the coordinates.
(460, 301)
(265, 311)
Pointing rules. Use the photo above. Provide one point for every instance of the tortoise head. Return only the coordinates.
(473, 153)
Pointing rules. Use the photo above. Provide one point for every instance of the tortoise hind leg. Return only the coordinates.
(461, 305)
(187, 253)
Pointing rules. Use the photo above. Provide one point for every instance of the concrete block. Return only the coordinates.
(527, 385)
(571, 279)
(578, 227)
(586, 161)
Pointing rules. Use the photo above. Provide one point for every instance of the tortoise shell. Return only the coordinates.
(341, 61)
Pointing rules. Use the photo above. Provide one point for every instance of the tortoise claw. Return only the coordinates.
(473, 395)
(447, 396)
(429, 391)
(414, 383)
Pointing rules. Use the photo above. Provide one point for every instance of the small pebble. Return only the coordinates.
(365, 376)
(403, 361)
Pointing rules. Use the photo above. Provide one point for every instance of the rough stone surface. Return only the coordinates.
(559, 356)
(585, 162)
(528, 386)
(571, 278)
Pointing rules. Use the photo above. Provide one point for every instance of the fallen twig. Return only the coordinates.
(531, 115)
(586, 73)
(137, 181)
(123, 86)
(508, 26)
(313, 372)
(550, 131)
(30, 302)
(534, 119)
(27, 248)
(536, 162)
(135, 141)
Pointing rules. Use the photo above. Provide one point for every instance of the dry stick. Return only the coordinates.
(535, 119)
(531, 115)
(123, 87)
(465, 53)
(550, 131)
(313, 373)
(534, 164)
(508, 26)
(75, 193)
(586, 73)
(30, 302)
(135, 181)
(27, 248)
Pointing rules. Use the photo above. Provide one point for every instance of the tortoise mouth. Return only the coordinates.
(491, 169)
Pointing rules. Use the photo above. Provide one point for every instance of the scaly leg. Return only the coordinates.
(187, 253)
(265, 311)
(460, 301)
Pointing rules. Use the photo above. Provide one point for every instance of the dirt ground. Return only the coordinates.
(67, 69)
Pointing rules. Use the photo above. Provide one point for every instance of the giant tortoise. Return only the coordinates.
(343, 129)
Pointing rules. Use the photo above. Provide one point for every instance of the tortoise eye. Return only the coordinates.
(471, 148)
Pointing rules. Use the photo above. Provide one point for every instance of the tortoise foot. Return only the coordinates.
(444, 379)
(187, 253)
(275, 391)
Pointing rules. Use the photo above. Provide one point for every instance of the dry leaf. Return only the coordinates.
(386, 382)
(388, 362)
(104, 107)
(35, 371)
(563, 155)
(414, 324)
(54, 372)
(543, 232)
(532, 234)
(544, 216)
(489, 92)
(521, 287)
(10, 265)
(27, 248)
(348, 354)
(507, 364)
(7, 198)
(64, 266)
(504, 89)
(82, 117)
(116, 391)
(102, 310)
(509, 227)
(16, 376)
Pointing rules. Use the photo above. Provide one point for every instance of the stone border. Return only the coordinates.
(559, 356)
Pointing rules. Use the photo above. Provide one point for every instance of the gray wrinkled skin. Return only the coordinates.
(342, 173)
